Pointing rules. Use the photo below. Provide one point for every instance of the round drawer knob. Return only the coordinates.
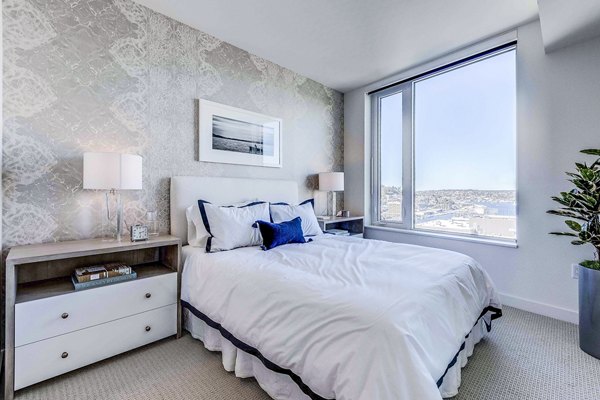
(148, 329)
(64, 315)
(64, 355)
(148, 295)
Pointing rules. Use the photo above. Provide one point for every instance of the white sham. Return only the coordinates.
(231, 227)
(281, 212)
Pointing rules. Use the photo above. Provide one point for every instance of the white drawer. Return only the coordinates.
(45, 318)
(48, 358)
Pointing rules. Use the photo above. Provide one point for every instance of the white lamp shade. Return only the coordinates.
(112, 171)
(331, 181)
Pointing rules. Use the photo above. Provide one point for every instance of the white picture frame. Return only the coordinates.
(232, 135)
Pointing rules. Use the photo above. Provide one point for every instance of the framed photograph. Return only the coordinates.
(235, 136)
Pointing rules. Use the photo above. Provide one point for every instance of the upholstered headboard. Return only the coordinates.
(187, 190)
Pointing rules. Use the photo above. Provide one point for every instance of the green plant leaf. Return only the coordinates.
(591, 152)
(573, 225)
(582, 184)
(573, 175)
(567, 214)
(560, 201)
(582, 203)
(587, 174)
(591, 264)
(585, 199)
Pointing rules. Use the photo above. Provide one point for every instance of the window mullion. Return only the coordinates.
(407, 156)
(375, 160)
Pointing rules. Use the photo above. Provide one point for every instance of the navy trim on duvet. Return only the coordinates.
(496, 313)
(253, 351)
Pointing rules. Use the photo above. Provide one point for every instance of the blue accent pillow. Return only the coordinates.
(274, 235)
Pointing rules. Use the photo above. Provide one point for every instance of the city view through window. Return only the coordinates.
(464, 151)
(472, 212)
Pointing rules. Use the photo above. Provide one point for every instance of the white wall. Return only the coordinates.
(558, 114)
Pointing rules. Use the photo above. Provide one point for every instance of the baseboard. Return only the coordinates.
(540, 308)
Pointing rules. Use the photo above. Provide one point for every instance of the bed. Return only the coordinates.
(336, 318)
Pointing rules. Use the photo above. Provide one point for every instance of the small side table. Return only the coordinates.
(354, 225)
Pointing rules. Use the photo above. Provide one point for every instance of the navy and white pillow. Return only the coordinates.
(197, 233)
(230, 227)
(281, 212)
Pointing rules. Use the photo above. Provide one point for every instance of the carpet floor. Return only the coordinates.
(526, 356)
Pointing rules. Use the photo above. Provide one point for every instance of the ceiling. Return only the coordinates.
(346, 44)
(567, 22)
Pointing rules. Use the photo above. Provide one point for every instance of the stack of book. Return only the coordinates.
(100, 275)
(338, 232)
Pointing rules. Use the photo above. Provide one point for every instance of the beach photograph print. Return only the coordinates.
(243, 137)
(236, 136)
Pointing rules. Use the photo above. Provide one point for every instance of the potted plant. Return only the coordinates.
(581, 207)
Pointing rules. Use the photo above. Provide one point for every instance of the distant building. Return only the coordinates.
(394, 210)
(495, 225)
(489, 213)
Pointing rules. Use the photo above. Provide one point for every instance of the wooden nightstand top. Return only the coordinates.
(76, 248)
(332, 220)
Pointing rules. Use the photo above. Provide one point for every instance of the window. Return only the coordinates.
(445, 149)
(390, 143)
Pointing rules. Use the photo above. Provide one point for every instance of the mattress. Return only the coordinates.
(341, 317)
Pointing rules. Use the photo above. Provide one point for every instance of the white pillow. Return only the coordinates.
(281, 212)
(232, 227)
(196, 232)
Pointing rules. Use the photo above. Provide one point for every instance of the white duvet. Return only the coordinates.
(352, 318)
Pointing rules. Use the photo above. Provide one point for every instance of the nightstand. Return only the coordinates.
(354, 225)
(52, 329)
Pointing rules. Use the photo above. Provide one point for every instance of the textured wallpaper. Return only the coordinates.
(102, 75)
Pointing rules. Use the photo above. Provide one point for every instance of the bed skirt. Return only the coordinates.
(282, 387)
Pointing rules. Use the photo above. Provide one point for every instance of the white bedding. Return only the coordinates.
(350, 318)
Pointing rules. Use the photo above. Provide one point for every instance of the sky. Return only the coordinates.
(465, 129)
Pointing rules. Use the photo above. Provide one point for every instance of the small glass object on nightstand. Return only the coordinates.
(152, 223)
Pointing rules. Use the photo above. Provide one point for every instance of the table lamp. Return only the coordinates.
(331, 182)
(112, 172)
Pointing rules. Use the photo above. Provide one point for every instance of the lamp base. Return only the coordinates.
(333, 204)
(112, 228)
(119, 218)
